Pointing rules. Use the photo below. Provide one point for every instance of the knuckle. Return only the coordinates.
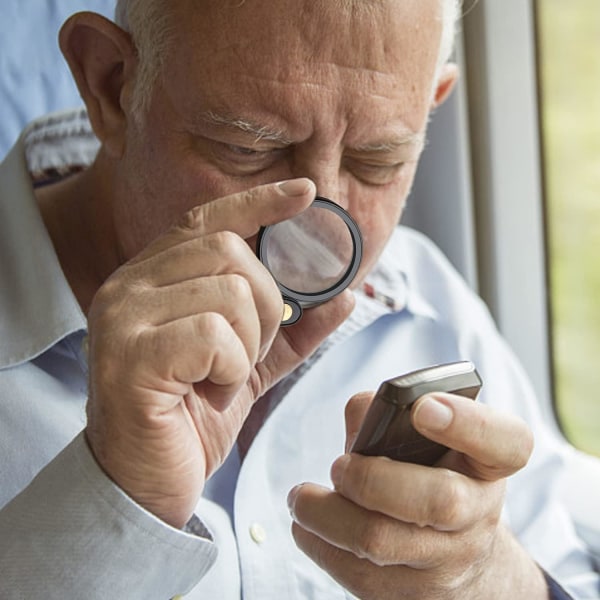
(212, 326)
(106, 294)
(372, 540)
(193, 219)
(250, 196)
(111, 306)
(229, 245)
(324, 555)
(222, 240)
(237, 287)
(360, 480)
(448, 509)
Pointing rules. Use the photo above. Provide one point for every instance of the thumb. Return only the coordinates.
(292, 345)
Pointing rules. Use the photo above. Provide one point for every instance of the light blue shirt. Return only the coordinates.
(66, 531)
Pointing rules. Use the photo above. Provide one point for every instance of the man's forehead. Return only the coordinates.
(256, 56)
(290, 38)
(366, 28)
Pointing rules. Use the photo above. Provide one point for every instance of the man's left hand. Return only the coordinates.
(397, 530)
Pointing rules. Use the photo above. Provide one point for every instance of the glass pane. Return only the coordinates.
(569, 61)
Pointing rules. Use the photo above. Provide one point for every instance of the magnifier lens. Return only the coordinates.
(312, 257)
(311, 252)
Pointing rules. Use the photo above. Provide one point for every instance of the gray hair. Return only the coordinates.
(149, 24)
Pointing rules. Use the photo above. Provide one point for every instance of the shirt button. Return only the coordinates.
(258, 533)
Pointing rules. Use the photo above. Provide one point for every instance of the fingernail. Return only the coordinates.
(338, 469)
(433, 415)
(296, 187)
(291, 499)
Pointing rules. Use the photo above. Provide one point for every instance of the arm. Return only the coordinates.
(167, 399)
(73, 533)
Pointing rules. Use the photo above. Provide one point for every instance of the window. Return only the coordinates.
(569, 74)
(542, 293)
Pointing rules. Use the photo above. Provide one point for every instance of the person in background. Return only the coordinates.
(160, 433)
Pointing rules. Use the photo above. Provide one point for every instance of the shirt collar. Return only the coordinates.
(392, 283)
(387, 290)
(37, 306)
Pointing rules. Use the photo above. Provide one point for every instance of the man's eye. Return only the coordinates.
(374, 174)
(245, 160)
(244, 151)
(249, 153)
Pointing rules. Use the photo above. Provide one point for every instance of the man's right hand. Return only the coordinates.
(182, 341)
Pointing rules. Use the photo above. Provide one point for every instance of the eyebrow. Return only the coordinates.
(263, 132)
(406, 139)
(260, 132)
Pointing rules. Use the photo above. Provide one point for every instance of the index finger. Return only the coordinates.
(242, 213)
(494, 445)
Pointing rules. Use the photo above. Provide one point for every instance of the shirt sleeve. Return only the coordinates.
(72, 533)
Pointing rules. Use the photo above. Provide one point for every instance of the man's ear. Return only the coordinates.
(445, 84)
(102, 59)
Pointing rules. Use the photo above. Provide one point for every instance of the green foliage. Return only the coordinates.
(569, 51)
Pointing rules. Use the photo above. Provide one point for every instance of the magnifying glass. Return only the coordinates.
(312, 257)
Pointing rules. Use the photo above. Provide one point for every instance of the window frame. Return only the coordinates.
(484, 206)
(502, 84)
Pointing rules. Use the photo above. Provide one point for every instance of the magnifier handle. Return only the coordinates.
(292, 311)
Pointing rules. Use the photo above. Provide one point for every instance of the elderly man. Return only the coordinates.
(134, 291)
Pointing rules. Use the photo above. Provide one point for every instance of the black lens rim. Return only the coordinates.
(311, 299)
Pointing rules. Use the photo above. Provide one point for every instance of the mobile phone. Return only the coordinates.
(387, 430)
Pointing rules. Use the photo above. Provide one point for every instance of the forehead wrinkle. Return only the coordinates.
(324, 76)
